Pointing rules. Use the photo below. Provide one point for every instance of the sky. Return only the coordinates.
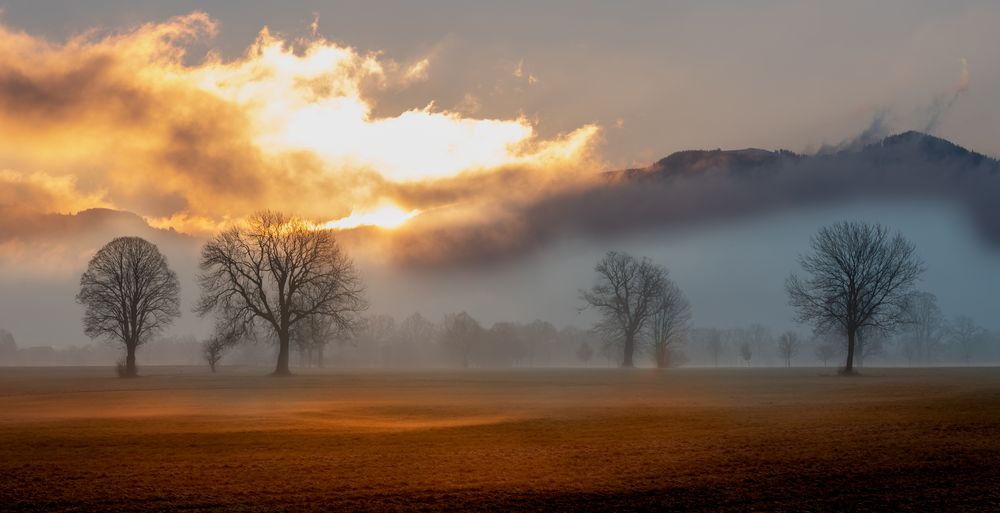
(428, 118)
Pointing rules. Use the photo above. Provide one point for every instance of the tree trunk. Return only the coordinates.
(319, 357)
(282, 368)
(661, 358)
(629, 349)
(851, 340)
(130, 370)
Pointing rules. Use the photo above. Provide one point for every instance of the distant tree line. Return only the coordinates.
(277, 280)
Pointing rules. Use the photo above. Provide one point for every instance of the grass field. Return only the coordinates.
(569, 440)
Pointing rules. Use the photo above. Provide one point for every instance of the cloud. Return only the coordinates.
(690, 189)
(131, 120)
(942, 104)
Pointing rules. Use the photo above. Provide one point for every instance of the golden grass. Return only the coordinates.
(688, 439)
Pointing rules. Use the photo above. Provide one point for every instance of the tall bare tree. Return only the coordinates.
(129, 293)
(669, 321)
(858, 275)
(279, 271)
(625, 295)
(788, 346)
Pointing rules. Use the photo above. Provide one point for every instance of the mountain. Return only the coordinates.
(908, 149)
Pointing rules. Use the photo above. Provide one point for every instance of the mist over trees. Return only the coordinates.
(129, 294)
(625, 295)
(277, 271)
(857, 276)
(277, 285)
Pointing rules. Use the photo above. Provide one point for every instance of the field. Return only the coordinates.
(568, 440)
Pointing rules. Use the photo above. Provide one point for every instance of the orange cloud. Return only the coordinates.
(129, 120)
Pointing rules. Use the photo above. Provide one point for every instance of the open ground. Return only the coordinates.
(571, 440)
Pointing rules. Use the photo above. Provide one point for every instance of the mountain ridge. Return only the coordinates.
(910, 147)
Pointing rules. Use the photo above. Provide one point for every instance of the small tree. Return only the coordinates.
(858, 275)
(216, 346)
(625, 295)
(585, 353)
(746, 352)
(129, 294)
(788, 346)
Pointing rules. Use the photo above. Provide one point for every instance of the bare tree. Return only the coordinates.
(924, 325)
(966, 335)
(858, 275)
(669, 321)
(585, 353)
(625, 295)
(746, 352)
(279, 271)
(216, 346)
(459, 335)
(129, 293)
(788, 346)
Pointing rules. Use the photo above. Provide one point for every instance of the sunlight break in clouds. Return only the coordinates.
(130, 120)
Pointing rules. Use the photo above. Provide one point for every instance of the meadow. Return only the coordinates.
(79, 439)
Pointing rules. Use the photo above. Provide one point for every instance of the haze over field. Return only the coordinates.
(464, 158)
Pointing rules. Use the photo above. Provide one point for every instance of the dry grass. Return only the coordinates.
(687, 440)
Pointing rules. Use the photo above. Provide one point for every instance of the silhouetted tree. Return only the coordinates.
(459, 335)
(669, 321)
(216, 346)
(858, 275)
(625, 295)
(585, 353)
(279, 271)
(129, 294)
(788, 346)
